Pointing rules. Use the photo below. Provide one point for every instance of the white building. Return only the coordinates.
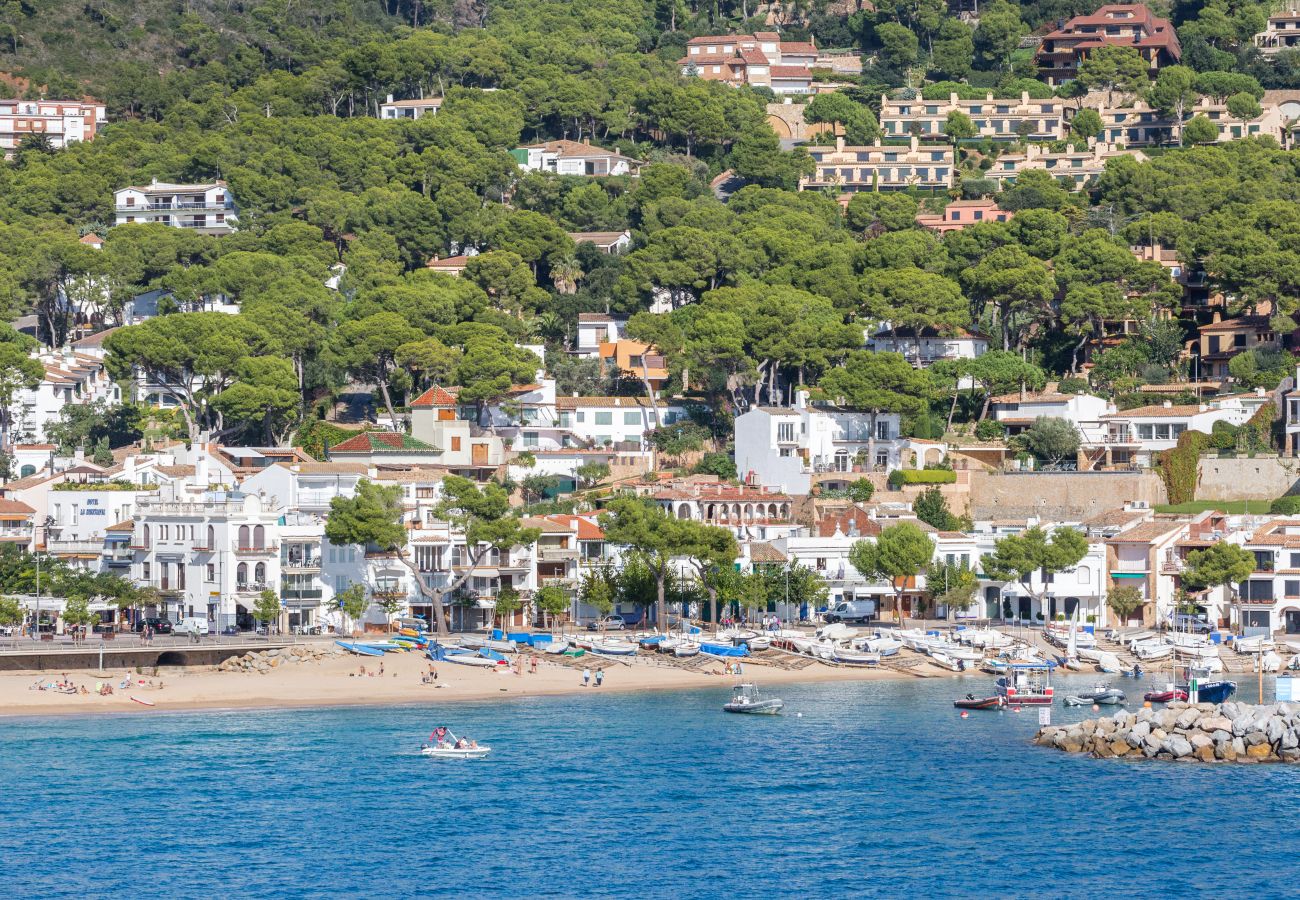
(784, 447)
(70, 377)
(1135, 435)
(1020, 409)
(207, 208)
(409, 109)
(608, 421)
(208, 554)
(63, 122)
(595, 329)
(574, 158)
(927, 347)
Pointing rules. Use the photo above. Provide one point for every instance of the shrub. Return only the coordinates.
(921, 476)
(720, 464)
(1178, 466)
(1285, 506)
(1073, 386)
(989, 430)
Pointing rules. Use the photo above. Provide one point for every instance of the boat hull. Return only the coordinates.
(761, 708)
(452, 753)
(980, 703)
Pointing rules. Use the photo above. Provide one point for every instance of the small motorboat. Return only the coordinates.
(973, 702)
(442, 744)
(854, 658)
(686, 648)
(1168, 696)
(745, 698)
(759, 642)
(613, 647)
(1101, 694)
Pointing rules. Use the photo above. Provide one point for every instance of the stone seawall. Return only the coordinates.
(1201, 732)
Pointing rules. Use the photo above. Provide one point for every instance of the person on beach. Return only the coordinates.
(600, 677)
(532, 664)
(586, 676)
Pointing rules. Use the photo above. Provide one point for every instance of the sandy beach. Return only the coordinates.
(337, 681)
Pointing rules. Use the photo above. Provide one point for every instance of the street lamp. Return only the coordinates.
(36, 631)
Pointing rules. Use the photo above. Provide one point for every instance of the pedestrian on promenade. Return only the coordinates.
(586, 676)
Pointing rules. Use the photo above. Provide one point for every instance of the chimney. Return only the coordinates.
(390, 98)
(839, 142)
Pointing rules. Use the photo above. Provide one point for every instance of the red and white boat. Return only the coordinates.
(1026, 684)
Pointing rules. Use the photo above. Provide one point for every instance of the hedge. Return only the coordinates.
(921, 476)
(1286, 506)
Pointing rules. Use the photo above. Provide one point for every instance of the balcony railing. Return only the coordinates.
(95, 547)
(300, 563)
(557, 554)
(301, 593)
(270, 550)
(253, 587)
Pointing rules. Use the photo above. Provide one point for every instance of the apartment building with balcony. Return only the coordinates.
(1123, 25)
(748, 511)
(62, 122)
(1269, 600)
(962, 214)
(1020, 409)
(761, 60)
(208, 554)
(1222, 339)
(1140, 125)
(880, 167)
(1076, 168)
(1133, 436)
(70, 377)
(1282, 32)
(925, 346)
(785, 448)
(1078, 594)
(207, 208)
(611, 421)
(996, 119)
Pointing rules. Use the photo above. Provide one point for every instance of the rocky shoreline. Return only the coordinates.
(1186, 732)
(263, 661)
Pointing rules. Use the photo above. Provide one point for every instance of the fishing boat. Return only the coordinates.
(651, 641)
(943, 659)
(685, 649)
(1214, 691)
(759, 642)
(1151, 651)
(442, 744)
(613, 647)
(884, 645)
(973, 702)
(855, 658)
(1169, 695)
(1256, 644)
(745, 698)
(1027, 683)
(1196, 651)
(556, 647)
(359, 649)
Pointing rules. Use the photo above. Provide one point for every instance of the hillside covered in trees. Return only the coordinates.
(774, 287)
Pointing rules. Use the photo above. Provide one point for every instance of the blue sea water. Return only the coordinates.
(870, 789)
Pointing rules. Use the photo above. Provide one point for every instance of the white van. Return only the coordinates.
(851, 611)
(192, 625)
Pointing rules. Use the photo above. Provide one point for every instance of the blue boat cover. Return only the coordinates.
(724, 650)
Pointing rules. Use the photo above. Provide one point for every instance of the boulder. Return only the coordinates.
(1206, 753)
(1200, 740)
(1140, 730)
(1187, 718)
(1159, 734)
(1178, 746)
(1221, 736)
(1167, 718)
(1275, 728)
(1255, 738)
(1290, 754)
(1215, 723)
(1145, 714)
(1120, 748)
(1259, 751)
(1290, 739)
(1151, 744)
(1238, 746)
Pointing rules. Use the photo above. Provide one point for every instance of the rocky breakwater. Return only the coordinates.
(263, 661)
(1200, 732)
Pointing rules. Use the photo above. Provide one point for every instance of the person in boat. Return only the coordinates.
(970, 696)
(473, 745)
(1137, 670)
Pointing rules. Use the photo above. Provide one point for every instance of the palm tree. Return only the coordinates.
(566, 273)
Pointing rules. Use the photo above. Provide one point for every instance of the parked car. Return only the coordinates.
(1194, 624)
(159, 625)
(851, 611)
(609, 623)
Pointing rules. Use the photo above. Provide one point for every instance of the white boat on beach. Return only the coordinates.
(854, 657)
(686, 648)
(613, 647)
(942, 659)
(884, 645)
(1253, 645)
(1209, 651)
